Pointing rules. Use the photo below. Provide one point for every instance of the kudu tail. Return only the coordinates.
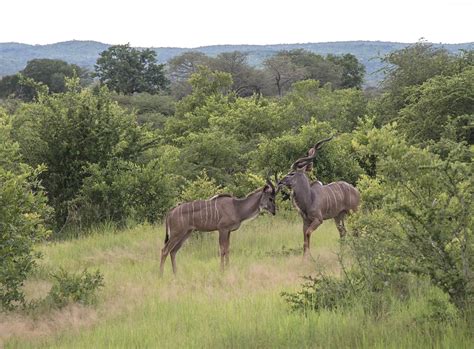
(167, 236)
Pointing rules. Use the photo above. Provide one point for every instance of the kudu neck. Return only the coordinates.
(250, 205)
(302, 192)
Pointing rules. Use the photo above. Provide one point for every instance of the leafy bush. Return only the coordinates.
(437, 308)
(121, 190)
(72, 131)
(23, 211)
(335, 161)
(71, 288)
(201, 188)
(416, 214)
(323, 292)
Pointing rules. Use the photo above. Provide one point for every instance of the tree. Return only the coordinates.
(441, 107)
(416, 214)
(50, 72)
(316, 67)
(414, 65)
(333, 163)
(352, 70)
(180, 69)
(70, 131)
(341, 108)
(127, 70)
(406, 68)
(246, 80)
(283, 71)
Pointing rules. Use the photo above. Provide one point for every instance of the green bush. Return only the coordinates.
(23, 211)
(416, 214)
(74, 288)
(122, 190)
(72, 131)
(335, 161)
(202, 188)
(323, 292)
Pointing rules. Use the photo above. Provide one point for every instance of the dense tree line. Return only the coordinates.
(126, 149)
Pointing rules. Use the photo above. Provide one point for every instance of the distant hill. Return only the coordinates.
(14, 56)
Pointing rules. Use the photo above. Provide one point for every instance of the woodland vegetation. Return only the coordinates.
(123, 144)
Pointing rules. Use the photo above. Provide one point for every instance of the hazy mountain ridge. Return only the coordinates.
(14, 56)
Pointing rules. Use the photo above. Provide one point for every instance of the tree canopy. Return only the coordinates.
(128, 70)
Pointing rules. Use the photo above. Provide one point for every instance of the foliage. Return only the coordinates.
(202, 188)
(353, 290)
(123, 189)
(68, 132)
(74, 288)
(322, 292)
(352, 70)
(49, 72)
(218, 153)
(23, 211)
(409, 68)
(414, 65)
(283, 71)
(334, 161)
(416, 214)
(180, 69)
(308, 99)
(246, 80)
(441, 103)
(127, 70)
(150, 109)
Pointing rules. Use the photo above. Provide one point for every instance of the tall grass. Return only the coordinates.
(204, 308)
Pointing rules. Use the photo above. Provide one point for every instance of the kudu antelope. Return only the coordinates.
(223, 213)
(317, 202)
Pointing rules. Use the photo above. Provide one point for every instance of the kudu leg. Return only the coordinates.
(339, 219)
(175, 250)
(224, 247)
(164, 254)
(227, 249)
(308, 228)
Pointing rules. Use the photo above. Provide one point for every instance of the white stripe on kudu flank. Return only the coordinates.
(335, 207)
(332, 194)
(200, 210)
(217, 211)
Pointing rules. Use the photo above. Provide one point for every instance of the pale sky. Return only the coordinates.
(179, 23)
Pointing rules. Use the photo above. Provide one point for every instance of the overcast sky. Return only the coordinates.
(178, 23)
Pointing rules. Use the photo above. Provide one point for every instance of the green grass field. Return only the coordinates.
(204, 308)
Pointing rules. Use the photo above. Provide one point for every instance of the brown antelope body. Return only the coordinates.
(317, 202)
(223, 213)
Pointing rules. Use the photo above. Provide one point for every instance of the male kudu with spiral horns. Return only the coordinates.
(317, 202)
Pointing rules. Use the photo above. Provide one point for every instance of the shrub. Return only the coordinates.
(201, 188)
(71, 288)
(70, 131)
(23, 211)
(416, 214)
(122, 190)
